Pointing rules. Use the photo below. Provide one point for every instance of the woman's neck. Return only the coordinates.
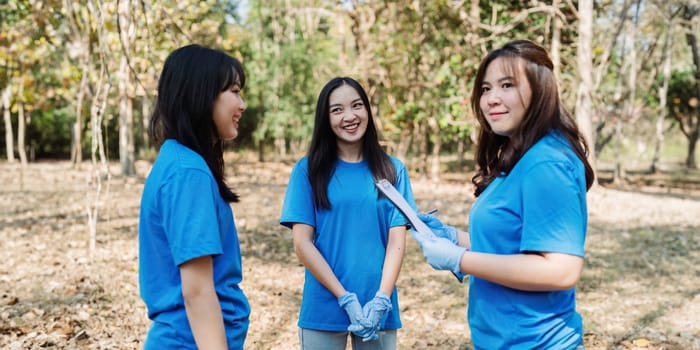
(350, 153)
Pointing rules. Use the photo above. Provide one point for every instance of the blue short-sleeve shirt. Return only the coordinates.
(352, 237)
(183, 217)
(540, 206)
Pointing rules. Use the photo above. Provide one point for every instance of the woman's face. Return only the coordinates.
(348, 115)
(228, 110)
(505, 96)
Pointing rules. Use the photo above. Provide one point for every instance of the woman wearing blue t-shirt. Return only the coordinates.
(350, 240)
(189, 253)
(527, 227)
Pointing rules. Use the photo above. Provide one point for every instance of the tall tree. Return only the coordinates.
(585, 69)
(691, 125)
(126, 29)
(663, 98)
(9, 136)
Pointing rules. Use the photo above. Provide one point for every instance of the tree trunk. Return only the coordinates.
(404, 143)
(435, 161)
(585, 65)
(421, 139)
(618, 170)
(629, 112)
(126, 122)
(126, 111)
(21, 122)
(556, 39)
(663, 100)
(694, 126)
(692, 142)
(77, 147)
(145, 119)
(98, 157)
(9, 135)
(461, 159)
(434, 130)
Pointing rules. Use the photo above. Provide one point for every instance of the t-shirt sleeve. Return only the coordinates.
(190, 215)
(298, 206)
(554, 211)
(403, 186)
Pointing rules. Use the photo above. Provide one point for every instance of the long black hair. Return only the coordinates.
(496, 153)
(323, 151)
(192, 78)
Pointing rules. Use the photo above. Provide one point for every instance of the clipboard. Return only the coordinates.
(397, 199)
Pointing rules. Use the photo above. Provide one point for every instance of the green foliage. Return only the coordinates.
(47, 132)
(682, 93)
(285, 58)
(417, 60)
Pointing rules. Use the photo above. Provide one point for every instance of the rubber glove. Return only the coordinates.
(440, 253)
(438, 228)
(358, 324)
(374, 311)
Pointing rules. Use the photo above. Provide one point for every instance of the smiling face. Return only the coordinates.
(228, 110)
(348, 116)
(505, 96)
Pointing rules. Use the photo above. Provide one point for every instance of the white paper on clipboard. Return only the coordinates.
(418, 225)
(395, 197)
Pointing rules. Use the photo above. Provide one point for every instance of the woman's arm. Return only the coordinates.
(463, 239)
(202, 303)
(393, 259)
(529, 272)
(302, 235)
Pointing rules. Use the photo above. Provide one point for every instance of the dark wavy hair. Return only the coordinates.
(192, 78)
(323, 151)
(496, 153)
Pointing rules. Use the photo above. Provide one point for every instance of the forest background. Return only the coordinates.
(78, 80)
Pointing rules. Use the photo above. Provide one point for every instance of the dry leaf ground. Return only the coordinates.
(640, 287)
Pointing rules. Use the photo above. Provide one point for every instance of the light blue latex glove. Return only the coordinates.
(438, 228)
(440, 253)
(374, 311)
(358, 324)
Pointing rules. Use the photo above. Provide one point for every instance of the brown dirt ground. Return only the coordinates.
(640, 288)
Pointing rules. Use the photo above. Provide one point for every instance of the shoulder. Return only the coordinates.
(398, 164)
(181, 157)
(552, 147)
(551, 153)
(302, 163)
(301, 166)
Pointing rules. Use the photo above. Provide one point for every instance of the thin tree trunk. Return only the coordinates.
(692, 142)
(460, 152)
(556, 39)
(126, 112)
(421, 139)
(618, 171)
(404, 143)
(77, 147)
(98, 106)
(694, 129)
(145, 118)
(9, 135)
(663, 100)
(434, 130)
(126, 123)
(21, 121)
(585, 65)
(629, 113)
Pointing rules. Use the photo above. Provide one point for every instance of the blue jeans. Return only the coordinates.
(321, 340)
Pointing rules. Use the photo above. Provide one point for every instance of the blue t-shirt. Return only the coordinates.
(540, 206)
(183, 217)
(352, 237)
